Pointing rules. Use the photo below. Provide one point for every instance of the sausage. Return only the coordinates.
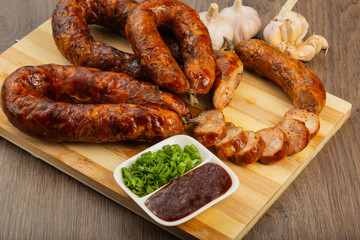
(172, 43)
(229, 71)
(212, 127)
(311, 120)
(233, 142)
(195, 42)
(251, 152)
(302, 85)
(34, 100)
(277, 145)
(72, 36)
(297, 133)
(89, 85)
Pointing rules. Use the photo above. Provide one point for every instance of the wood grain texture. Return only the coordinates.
(321, 203)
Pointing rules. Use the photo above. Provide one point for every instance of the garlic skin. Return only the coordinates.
(245, 21)
(220, 29)
(307, 50)
(288, 26)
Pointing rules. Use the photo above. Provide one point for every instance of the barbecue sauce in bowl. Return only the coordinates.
(189, 192)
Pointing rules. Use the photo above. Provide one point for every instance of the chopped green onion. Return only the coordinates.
(153, 170)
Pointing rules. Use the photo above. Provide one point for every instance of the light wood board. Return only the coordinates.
(257, 104)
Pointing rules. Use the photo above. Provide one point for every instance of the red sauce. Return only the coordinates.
(189, 192)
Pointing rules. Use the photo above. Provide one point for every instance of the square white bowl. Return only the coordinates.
(206, 157)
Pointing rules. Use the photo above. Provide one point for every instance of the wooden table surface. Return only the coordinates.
(38, 201)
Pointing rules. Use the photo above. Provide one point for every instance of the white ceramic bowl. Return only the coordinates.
(206, 156)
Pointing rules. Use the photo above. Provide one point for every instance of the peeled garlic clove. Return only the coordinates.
(220, 29)
(245, 21)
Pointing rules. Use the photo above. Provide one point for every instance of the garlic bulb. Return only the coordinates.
(220, 29)
(287, 28)
(245, 21)
(307, 50)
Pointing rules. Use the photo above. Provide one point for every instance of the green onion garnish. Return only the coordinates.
(155, 169)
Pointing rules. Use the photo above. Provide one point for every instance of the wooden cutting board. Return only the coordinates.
(257, 104)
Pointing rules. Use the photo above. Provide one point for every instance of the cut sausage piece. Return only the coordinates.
(229, 71)
(297, 133)
(311, 120)
(233, 142)
(277, 145)
(212, 127)
(302, 85)
(251, 152)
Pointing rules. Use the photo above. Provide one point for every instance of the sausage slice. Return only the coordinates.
(251, 152)
(277, 144)
(212, 128)
(311, 120)
(229, 71)
(233, 142)
(297, 133)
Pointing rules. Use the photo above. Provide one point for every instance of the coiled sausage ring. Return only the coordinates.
(199, 58)
(72, 36)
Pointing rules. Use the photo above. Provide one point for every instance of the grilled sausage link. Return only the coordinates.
(229, 71)
(39, 102)
(199, 58)
(90, 85)
(72, 36)
(295, 78)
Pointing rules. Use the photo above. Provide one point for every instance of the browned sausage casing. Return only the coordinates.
(199, 58)
(72, 35)
(229, 71)
(295, 78)
(34, 100)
